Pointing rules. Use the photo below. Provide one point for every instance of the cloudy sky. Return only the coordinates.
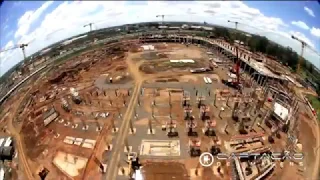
(43, 23)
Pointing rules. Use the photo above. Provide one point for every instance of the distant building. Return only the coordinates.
(174, 27)
(182, 61)
(206, 28)
(5, 172)
(185, 26)
(163, 27)
(49, 116)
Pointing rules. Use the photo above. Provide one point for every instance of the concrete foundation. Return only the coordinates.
(160, 148)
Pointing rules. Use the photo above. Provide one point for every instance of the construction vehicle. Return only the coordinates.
(314, 112)
(43, 173)
(194, 147)
(75, 96)
(65, 105)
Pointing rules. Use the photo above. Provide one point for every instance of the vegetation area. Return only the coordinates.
(315, 102)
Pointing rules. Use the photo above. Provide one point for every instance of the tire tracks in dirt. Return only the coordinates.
(124, 128)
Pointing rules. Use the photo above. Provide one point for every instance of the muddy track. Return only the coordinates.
(122, 133)
(19, 144)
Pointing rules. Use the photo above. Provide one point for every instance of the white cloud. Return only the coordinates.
(300, 24)
(315, 31)
(5, 56)
(28, 18)
(309, 11)
(71, 16)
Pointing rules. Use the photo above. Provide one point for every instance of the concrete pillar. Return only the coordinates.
(114, 128)
(221, 110)
(254, 122)
(152, 112)
(150, 129)
(228, 101)
(215, 99)
(132, 129)
(258, 80)
(245, 67)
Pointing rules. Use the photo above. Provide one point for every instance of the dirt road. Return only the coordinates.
(313, 125)
(19, 145)
(315, 174)
(123, 130)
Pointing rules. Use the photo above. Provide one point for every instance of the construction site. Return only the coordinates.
(152, 105)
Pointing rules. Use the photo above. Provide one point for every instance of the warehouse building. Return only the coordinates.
(49, 116)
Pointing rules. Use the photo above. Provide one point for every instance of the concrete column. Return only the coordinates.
(228, 101)
(245, 67)
(215, 99)
(221, 110)
(258, 80)
(255, 79)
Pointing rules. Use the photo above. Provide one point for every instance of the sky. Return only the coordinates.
(41, 23)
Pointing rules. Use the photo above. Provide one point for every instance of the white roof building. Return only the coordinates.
(281, 111)
(182, 61)
(147, 47)
(207, 28)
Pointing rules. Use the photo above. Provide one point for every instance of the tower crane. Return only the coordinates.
(90, 25)
(235, 23)
(237, 84)
(21, 46)
(303, 46)
(162, 18)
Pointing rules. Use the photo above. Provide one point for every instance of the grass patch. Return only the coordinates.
(76, 53)
(315, 102)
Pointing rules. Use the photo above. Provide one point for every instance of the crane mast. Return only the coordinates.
(237, 55)
(90, 25)
(22, 46)
(162, 18)
(303, 45)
